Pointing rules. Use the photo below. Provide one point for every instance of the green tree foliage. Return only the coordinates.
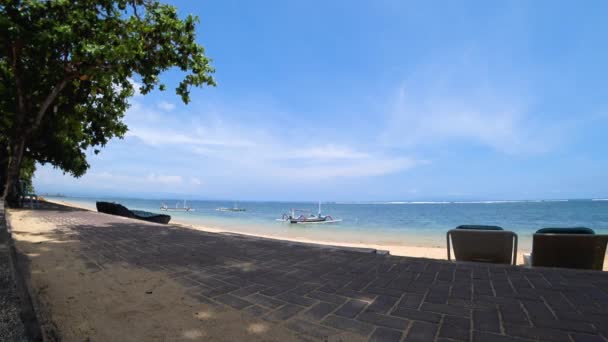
(66, 71)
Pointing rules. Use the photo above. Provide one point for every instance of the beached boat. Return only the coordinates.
(164, 207)
(304, 216)
(120, 210)
(235, 208)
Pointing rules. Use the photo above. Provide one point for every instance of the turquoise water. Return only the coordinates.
(402, 223)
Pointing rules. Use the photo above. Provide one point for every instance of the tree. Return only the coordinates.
(67, 70)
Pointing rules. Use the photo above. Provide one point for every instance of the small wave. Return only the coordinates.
(414, 202)
(600, 199)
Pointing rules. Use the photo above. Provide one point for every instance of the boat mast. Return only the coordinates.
(319, 208)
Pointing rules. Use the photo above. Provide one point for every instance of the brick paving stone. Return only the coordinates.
(296, 299)
(233, 301)
(248, 290)
(307, 328)
(537, 333)
(351, 308)
(577, 337)
(256, 310)
(385, 335)
(513, 313)
(211, 292)
(482, 336)
(347, 324)
(319, 311)
(566, 325)
(285, 312)
(416, 315)
(383, 320)
(382, 304)
(486, 320)
(438, 294)
(446, 309)
(278, 289)
(305, 288)
(537, 310)
(266, 301)
(457, 328)
(421, 331)
(326, 297)
(411, 301)
(195, 293)
(385, 291)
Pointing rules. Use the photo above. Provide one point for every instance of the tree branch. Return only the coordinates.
(15, 54)
(48, 101)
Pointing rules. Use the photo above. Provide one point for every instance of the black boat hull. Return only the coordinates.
(120, 210)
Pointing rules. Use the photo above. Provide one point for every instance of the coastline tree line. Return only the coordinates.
(66, 74)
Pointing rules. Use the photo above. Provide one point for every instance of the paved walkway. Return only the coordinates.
(11, 326)
(318, 292)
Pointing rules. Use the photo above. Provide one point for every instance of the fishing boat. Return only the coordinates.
(120, 210)
(304, 216)
(235, 208)
(164, 207)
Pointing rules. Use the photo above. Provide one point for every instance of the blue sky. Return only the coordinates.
(374, 100)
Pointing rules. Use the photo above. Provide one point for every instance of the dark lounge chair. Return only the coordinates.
(121, 210)
(483, 244)
(577, 247)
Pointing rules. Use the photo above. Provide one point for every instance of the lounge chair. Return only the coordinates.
(577, 247)
(483, 244)
(26, 196)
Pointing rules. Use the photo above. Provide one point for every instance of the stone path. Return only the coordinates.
(318, 292)
(11, 326)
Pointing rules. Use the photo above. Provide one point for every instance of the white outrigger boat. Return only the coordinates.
(235, 208)
(300, 216)
(164, 207)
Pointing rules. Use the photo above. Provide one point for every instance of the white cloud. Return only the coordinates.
(474, 115)
(326, 152)
(262, 151)
(136, 85)
(163, 179)
(166, 106)
(367, 167)
(156, 136)
(195, 181)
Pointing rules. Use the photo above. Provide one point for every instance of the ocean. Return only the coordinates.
(395, 223)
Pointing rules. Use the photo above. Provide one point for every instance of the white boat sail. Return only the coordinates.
(300, 216)
(185, 207)
(234, 208)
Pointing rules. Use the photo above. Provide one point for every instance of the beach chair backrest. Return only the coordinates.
(479, 245)
(582, 251)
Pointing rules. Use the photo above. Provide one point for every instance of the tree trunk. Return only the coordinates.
(11, 189)
(3, 166)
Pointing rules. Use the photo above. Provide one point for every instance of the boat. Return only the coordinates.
(235, 208)
(113, 208)
(304, 216)
(164, 207)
